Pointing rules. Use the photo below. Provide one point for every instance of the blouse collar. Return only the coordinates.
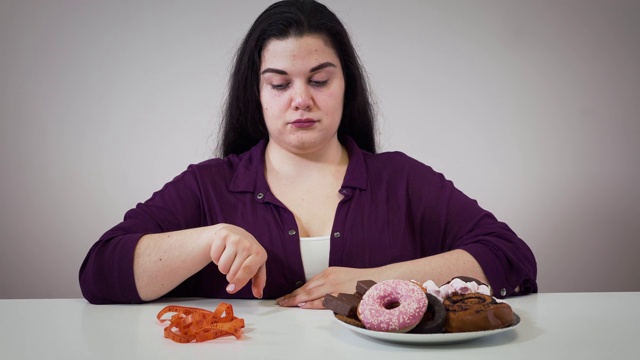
(249, 176)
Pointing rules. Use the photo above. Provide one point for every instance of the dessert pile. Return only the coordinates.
(462, 304)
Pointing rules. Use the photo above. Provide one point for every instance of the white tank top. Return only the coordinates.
(315, 254)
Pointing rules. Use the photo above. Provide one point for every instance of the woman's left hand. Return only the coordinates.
(332, 280)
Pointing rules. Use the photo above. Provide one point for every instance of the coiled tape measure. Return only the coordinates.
(190, 324)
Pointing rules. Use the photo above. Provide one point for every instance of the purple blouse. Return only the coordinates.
(394, 209)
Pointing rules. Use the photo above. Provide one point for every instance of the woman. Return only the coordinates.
(300, 186)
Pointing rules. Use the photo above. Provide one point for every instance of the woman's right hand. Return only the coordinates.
(240, 257)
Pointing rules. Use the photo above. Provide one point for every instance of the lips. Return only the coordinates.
(303, 123)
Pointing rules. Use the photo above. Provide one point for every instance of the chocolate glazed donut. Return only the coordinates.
(476, 312)
(433, 320)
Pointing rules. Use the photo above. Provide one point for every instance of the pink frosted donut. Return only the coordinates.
(392, 306)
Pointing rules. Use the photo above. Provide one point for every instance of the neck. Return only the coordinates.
(285, 164)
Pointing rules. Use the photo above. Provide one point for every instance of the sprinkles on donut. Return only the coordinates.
(392, 306)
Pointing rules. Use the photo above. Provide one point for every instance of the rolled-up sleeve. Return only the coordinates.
(106, 274)
(507, 261)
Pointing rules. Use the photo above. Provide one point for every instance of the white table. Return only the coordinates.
(553, 326)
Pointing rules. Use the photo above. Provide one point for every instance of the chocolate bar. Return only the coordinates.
(363, 286)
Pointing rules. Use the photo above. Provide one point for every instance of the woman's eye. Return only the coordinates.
(279, 87)
(317, 83)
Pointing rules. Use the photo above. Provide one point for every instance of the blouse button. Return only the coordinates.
(336, 234)
(260, 195)
(299, 283)
(503, 292)
(292, 232)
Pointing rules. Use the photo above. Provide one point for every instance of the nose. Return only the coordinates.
(302, 100)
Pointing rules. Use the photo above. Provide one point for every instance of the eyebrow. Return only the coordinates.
(313, 69)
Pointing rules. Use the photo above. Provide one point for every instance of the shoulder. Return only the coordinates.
(397, 162)
(218, 170)
(195, 177)
(394, 165)
(215, 164)
(405, 174)
(239, 172)
(230, 164)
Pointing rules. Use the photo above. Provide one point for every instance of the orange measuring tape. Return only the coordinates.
(190, 324)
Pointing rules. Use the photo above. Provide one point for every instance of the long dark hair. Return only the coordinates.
(243, 123)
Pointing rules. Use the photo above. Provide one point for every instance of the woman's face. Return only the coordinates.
(302, 93)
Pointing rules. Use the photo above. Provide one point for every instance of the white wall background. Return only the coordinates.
(531, 107)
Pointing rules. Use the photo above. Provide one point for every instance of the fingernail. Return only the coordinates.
(231, 287)
(302, 304)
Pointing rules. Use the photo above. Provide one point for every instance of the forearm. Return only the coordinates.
(439, 268)
(163, 261)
